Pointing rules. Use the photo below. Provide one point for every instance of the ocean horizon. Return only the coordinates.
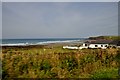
(18, 42)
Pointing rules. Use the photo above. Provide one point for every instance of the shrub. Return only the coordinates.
(45, 65)
(68, 61)
(60, 63)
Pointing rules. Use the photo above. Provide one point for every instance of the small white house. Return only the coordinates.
(103, 44)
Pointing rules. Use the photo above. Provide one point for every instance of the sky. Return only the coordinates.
(59, 19)
(119, 18)
(0, 20)
(60, 0)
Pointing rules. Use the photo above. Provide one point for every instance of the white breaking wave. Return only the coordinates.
(17, 44)
(39, 43)
(47, 42)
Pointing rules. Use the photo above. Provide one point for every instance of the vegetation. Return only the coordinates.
(106, 37)
(59, 63)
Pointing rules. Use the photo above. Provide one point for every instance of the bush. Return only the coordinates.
(86, 63)
(45, 65)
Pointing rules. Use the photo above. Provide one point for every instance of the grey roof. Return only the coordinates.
(116, 42)
(99, 41)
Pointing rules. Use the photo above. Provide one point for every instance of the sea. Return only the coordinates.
(22, 42)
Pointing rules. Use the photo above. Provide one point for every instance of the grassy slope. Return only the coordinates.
(106, 37)
(60, 63)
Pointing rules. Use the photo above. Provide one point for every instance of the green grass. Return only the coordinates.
(105, 73)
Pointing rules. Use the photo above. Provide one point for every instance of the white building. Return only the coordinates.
(70, 47)
(93, 45)
(103, 44)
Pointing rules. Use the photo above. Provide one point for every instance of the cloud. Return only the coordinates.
(43, 20)
(60, 0)
(0, 20)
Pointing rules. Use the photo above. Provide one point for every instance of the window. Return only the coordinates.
(105, 45)
(85, 44)
(96, 45)
(101, 45)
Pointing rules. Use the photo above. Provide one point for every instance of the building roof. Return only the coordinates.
(116, 42)
(99, 41)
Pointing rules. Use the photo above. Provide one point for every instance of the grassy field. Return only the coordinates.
(42, 62)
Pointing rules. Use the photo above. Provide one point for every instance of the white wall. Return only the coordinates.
(98, 45)
(84, 45)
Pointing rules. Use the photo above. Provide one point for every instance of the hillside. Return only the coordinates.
(105, 37)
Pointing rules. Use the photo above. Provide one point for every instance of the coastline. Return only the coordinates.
(49, 45)
(58, 43)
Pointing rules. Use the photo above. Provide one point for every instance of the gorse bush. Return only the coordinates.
(68, 61)
(45, 65)
(51, 63)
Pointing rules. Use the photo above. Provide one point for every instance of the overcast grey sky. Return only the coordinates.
(0, 20)
(60, 0)
(59, 20)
